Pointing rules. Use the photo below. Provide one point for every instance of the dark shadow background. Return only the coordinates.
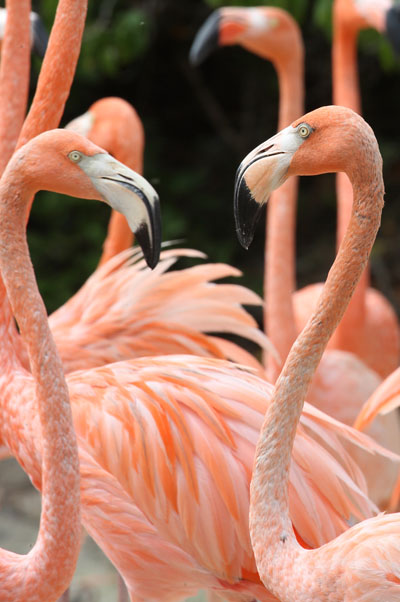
(199, 124)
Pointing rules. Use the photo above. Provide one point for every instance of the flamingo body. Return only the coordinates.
(363, 563)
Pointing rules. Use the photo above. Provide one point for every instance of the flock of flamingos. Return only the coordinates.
(131, 417)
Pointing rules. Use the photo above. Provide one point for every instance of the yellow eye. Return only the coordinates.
(75, 156)
(304, 130)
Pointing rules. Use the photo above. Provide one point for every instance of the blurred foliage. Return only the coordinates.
(199, 124)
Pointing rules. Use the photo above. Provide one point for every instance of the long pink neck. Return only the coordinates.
(274, 542)
(57, 71)
(279, 265)
(346, 93)
(14, 76)
(46, 571)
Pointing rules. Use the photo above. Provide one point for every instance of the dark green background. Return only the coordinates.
(199, 124)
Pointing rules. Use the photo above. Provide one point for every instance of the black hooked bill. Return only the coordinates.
(246, 209)
(393, 27)
(206, 40)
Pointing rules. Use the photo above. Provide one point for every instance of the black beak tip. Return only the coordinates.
(206, 39)
(40, 36)
(393, 27)
(247, 212)
(151, 244)
(245, 237)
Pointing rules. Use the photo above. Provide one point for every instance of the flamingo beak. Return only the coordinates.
(206, 40)
(261, 172)
(393, 27)
(39, 35)
(129, 193)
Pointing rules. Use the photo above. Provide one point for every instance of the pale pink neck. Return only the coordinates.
(57, 71)
(279, 265)
(274, 542)
(47, 570)
(346, 93)
(14, 76)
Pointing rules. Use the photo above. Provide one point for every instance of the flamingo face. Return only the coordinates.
(233, 25)
(128, 193)
(263, 170)
(319, 142)
(382, 15)
(65, 162)
(374, 12)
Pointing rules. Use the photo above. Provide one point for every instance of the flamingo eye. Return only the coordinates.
(304, 130)
(75, 156)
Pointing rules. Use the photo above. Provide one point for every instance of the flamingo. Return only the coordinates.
(44, 573)
(166, 444)
(369, 327)
(342, 382)
(363, 562)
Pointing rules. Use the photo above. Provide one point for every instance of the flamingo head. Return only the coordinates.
(113, 124)
(65, 162)
(266, 31)
(322, 141)
(382, 15)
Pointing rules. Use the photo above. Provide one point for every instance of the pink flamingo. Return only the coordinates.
(45, 572)
(363, 562)
(342, 382)
(166, 444)
(369, 327)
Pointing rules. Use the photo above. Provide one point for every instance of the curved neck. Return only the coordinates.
(346, 92)
(14, 76)
(48, 568)
(279, 265)
(270, 526)
(57, 71)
